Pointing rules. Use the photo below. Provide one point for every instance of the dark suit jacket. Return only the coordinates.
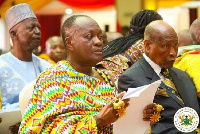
(141, 73)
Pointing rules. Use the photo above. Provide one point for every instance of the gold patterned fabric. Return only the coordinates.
(169, 83)
(190, 63)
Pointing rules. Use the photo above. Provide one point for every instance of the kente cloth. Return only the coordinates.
(47, 58)
(67, 101)
(114, 66)
(190, 63)
(15, 74)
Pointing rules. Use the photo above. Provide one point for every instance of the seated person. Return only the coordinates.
(176, 90)
(188, 59)
(121, 53)
(20, 66)
(72, 95)
(190, 63)
(184, 38)
(54, 50)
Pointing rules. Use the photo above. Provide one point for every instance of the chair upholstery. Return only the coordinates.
(25, 96)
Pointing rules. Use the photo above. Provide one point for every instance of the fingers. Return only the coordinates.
(148, 111)
(152, 113)
(126, 100)
(126, 105)
(147, 117)
(150, 106)
(147, 114)
(11, 128)
(120, 95)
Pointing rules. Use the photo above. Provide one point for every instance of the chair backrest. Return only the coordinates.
(0, 100)
(25, 96)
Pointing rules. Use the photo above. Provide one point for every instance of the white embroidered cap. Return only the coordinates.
(18, 13)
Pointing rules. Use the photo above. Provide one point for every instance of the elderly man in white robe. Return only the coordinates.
(20, 66)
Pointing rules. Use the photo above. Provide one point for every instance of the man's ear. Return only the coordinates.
(68, 42)
(147, 44)
(13, 34)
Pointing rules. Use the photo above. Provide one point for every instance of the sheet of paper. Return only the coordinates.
(9, 118)
(132, 122)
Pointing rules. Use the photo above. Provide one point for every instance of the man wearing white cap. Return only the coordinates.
(20, 66)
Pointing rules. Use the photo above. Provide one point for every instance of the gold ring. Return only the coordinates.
(118, 105)
(156, 116)
(159, 108)
(121, 112)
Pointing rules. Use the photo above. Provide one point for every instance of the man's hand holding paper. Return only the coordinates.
(136, 119)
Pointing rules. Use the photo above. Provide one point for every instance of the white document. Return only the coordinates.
(9, 118)
(132, 122)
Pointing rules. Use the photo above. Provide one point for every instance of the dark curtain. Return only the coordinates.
(50, 26)
(193, 14)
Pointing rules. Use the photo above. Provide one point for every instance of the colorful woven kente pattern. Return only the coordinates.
(114, 66)
(65, 101)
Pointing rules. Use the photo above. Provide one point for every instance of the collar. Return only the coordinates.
(155, 67)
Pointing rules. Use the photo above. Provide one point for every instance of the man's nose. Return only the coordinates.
(98, 41)
(37, 30)
(58, 49)
(173, 51)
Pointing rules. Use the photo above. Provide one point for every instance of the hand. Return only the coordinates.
(107, 114)
(14, 128)
(148, 111)
(152, 113)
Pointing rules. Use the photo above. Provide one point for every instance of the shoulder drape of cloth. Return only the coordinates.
(66, 101)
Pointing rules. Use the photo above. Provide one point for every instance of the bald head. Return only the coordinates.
(161, 43)
(184, 38)
(55, 48)
(195, 31)
(53, 39)
(75, 20)
(157, 30)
